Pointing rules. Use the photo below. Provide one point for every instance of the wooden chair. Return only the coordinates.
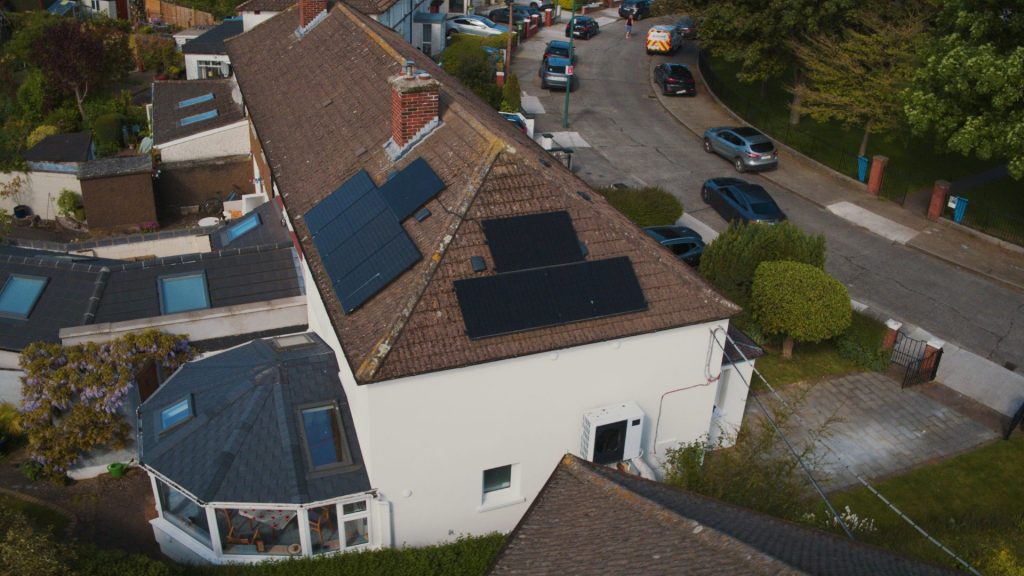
(233, 538)
(317, 519)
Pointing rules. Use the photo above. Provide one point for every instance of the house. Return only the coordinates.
(116, 9)
(255, 12)
(488, 311)
(591, 519)
(264, 422)
(188, 34)
(205, 56)
(198, 120)
(53, 166)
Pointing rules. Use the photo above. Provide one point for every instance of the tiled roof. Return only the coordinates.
(244, 442)
(271, 230)
(73, 147)
(212, 41)
(264, 6)
(739, 347)
(321, 106)
(167, 115)
(116, 166)
(595, 520)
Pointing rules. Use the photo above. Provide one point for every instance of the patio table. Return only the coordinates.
(274, 518)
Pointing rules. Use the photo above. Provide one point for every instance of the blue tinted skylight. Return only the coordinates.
(197, 118)
(176, 413)
(322, 426)
(197, 100)
(20, 294)
(183, 292)
(241, 227)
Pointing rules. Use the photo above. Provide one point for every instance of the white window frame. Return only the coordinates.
(203, 65)
(506, 496)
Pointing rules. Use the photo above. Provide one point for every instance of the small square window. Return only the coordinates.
(20, 294)
(240, 228)
(183, 293)
(325, 442)
(292, 341)
(176, 413)
(498, 478)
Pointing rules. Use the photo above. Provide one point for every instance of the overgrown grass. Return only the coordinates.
(651, 206)
(41, 517)
(973, 503)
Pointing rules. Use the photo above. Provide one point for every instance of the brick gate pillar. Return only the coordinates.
(892, 327)
(878, 164)
(931, 356)
(940, 191)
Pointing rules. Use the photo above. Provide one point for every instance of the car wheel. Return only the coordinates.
(738, 165)
(707, 146)
(705, 195)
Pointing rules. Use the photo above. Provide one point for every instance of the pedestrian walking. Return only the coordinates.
(629, 26)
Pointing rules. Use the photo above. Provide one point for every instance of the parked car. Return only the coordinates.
(471, 24)
(559, 49)
(517, 119)
(745, 147)
(556, 72)
(519, 14)
(582, 27)
(736, 199)
(684, 242)
(675, 78)
(662, 39)
(687, 28)
(638, 8)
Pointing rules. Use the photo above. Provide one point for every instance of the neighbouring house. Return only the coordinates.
(591, 519)
(116, 9)
(205, 56)
(118, 191)
(53, 166)
(253, 454)
(255, 12)
(198, 120)
(188, 34)
(487, 309)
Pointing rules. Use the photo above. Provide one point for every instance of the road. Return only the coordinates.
(634, 140)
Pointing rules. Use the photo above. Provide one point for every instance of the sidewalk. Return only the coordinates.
(847, 198)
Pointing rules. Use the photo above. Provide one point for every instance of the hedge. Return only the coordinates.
(650, 206)
(862, 343)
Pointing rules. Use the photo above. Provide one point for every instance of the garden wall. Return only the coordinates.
(183, 184)
(40, 191)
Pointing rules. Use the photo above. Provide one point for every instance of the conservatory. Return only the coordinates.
(252, 455)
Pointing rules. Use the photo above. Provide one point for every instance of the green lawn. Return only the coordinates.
(41, 517)
(974, 504)
(810, 362)
(914, 165)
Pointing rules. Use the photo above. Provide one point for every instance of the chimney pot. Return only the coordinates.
(415, 104)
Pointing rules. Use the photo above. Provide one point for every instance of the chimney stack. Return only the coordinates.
(310, 9)
(415, 104)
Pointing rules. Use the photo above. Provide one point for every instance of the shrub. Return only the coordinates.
(511, 97)
(862, 343)
(24, 549)
(157, 53)
(800, 301)
(730, 261)
(648, 206)
(466, 59)
(107, 130)
(68, 202)
(41, 132)
(66, 119)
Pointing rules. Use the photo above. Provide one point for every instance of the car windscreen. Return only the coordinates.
(487, 21)
(763, 208)
(680, 72)
(558, 50)
(762, 147)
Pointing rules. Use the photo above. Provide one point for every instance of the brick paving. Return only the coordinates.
(879, 429)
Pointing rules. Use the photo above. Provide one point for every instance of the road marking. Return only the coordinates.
(866, 219)
(605, 20)
(531, 104)
(569, 140)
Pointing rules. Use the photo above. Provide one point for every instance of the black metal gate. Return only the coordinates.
(918, 362)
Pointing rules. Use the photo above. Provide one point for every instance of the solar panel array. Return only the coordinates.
(359, 234)
(531, 241)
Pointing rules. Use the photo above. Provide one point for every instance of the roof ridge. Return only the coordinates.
(373, 35)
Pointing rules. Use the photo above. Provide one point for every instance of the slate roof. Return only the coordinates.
(243, 443)
(212, 41)
(271, 230)
(739, 346)
(323, 114)
(71, 147)
(167, 115)
(595, 520)
(116, 166)
(128, 290)
(265, 6)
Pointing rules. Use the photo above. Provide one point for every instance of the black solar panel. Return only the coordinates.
(361, 244)
(411, 188)
(532, 241)
(529, 299)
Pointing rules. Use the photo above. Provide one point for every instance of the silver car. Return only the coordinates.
(472, 24)
(556, 72)
(745, 147)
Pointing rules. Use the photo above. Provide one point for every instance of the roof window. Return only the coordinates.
(176, 413)
(197, 100)
(183, 292)
(20, 294)
(240, 228)
(325, 441)
(197, 118)
(292, 341)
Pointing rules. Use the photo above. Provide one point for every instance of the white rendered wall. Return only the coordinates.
(731, 402)
(252, 19)
(432, 436)
(192, 66)
(231, 140)
(40, 191)
(10, 386)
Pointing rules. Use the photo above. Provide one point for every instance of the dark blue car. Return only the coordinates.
(684, 242)
(736, 199)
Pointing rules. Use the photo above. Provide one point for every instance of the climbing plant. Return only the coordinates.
(72, 396)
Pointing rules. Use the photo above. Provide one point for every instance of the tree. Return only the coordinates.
(857, 76)
(799, 301)
(730, 261)
(968, 89)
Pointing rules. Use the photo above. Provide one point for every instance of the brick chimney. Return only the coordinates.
(414, 104)
(310, 9)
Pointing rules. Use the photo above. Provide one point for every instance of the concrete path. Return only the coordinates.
(879, 429)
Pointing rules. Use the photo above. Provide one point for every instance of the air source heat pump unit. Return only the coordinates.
(612, 434)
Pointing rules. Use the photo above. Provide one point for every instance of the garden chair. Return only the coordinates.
(317, 520)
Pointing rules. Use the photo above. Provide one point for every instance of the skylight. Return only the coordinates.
(324, 441)
(292, 341)
(20, 294)
(197, 100)
(197, 118)
(241, 227)
(176, 413)
(183, 292)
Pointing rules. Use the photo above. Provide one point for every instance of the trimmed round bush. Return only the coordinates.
(651, 206)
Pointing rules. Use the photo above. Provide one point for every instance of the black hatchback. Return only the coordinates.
(674, 79)
(638, 8)
(582, 27)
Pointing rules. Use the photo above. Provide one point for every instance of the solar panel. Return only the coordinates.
(411, 188)
(532, 241)
(361, 244)
(530, 299)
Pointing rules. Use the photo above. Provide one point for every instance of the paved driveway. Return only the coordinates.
(880, 429)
